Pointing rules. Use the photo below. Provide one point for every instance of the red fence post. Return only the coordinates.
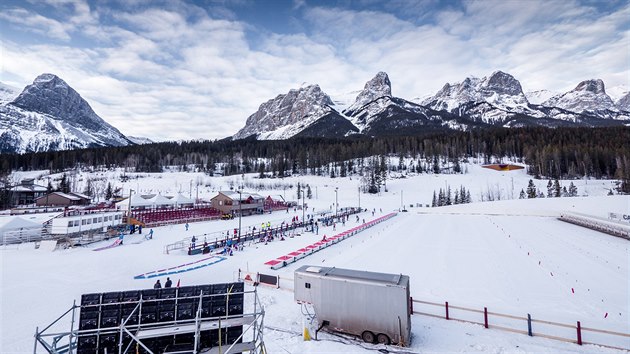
(579, 333)
(485, 316)
(447, 310)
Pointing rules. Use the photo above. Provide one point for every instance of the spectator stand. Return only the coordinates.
(169, 216)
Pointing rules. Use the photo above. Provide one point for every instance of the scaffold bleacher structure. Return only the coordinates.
(210, 318)
(165, 216)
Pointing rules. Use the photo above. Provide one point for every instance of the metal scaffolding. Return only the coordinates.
(131, 336)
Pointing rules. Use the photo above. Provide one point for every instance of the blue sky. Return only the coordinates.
(198, 69)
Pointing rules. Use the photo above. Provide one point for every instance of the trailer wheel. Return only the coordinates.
(368, 337)
(383, 338)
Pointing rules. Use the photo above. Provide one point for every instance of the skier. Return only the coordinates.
(186, 226)
(140, 229)
(168, 283)
(193, 240)
(157, 285)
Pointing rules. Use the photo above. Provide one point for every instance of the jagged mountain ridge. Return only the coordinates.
(288, 114)
(51, 115)
(496, 100)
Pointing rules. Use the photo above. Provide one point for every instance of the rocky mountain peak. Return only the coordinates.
(503, 83)
(588, 95)
(624, 102)
(50, 115)
(298, 107)
(49, 94)
(378, 86)
(595, 86)
(499, 89)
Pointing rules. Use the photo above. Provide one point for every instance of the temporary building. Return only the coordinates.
(16, 229)
(160, 201)
(181, 200)
(137, 201)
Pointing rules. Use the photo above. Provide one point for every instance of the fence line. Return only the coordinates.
(529, 321)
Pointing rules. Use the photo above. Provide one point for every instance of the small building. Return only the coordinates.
(229, 202)
(63, 199)
(503, 167)
(275, 202)
(86, 221)
(26, 192)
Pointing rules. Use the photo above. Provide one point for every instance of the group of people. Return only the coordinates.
(134, 228)
(167, 284)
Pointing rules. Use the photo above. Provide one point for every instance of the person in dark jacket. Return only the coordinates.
(157, 284)
(168, 283)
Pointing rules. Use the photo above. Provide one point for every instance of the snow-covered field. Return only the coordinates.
(511, 256)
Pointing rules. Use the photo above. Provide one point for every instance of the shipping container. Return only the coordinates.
(374, 306)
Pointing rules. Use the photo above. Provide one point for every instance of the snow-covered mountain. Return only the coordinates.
(499, 89)
(291, 114)
(138, 140)
(539, 96)
(8, 93)
(495, 100)
(623, 103)
(51, 115)
(376, 88)
(587, 96)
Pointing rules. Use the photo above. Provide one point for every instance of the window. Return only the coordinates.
(76, 223)
(82, 222)
(307, 285)
(100, 219)
(95, 220)
(220, 202)
(70, 223)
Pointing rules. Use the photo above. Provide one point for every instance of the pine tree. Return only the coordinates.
(109, 192)
(531, 190)
(441, 198)
(468, 198)
(456, 198)
(434, 202)
(564, 192)
(64, 185)
(573, 192)
(522, 194)
(556, 188)
(309, 193)
(436, 165)
(549, 189)
(299, 191)
(457, 168)
(448, 196)
(89, 190)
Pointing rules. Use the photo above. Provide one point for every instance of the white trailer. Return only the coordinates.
(374, 306)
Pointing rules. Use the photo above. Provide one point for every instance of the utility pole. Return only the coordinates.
(336, 201)
(240, 210)
(129, 208)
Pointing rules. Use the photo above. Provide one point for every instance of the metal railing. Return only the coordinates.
(526, 325)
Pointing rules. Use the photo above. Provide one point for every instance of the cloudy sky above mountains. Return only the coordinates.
(197, 69)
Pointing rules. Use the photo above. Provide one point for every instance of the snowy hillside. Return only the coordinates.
(511, 256)
(8, 93)
(51, 115)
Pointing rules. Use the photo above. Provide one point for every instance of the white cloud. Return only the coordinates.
(36, 23)
(182, 72)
